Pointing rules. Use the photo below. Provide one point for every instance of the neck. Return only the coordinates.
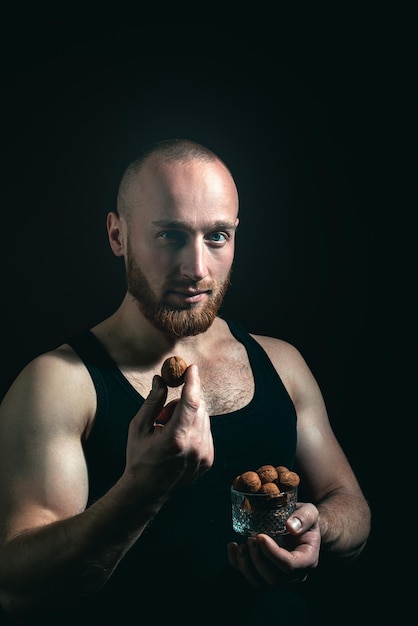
(134, 335)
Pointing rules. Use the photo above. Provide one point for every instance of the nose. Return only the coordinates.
(193, 260)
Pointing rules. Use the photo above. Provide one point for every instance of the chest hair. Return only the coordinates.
(227, 387)
(227, 382)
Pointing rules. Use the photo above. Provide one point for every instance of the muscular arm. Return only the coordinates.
(344, 514)
(52, 549)
(325, 471)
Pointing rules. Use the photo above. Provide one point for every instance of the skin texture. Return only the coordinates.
(179, 234)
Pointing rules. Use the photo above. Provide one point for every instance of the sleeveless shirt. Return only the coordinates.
(178, 568)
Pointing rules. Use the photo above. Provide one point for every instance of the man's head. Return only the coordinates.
(176, 222)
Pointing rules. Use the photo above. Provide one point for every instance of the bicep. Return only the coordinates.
(43, 475)
(321, 462)
(319, 456)
(42, 487)
(320, 459)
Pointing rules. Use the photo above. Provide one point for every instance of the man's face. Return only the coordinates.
(172, 319)
(180, 245)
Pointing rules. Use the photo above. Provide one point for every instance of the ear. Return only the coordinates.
(116, 233)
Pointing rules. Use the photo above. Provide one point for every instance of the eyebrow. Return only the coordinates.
(181, 225)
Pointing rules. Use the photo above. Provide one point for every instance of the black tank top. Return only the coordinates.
(179, 565)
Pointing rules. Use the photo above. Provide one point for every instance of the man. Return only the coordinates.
(107, 514)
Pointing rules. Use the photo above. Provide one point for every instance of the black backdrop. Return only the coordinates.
(313, 113)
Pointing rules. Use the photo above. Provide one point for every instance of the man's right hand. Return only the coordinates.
(161, 457)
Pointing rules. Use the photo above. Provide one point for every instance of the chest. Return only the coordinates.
(227, 382)
(227, 387)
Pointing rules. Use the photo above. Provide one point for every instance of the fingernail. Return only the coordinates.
(154, 383)
(295, 524)
(252, 543)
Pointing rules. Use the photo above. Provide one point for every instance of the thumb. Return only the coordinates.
(294, 525)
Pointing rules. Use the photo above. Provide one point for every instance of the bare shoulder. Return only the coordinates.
(284, 356)
(54, 383)
(290, 365)
(44, 418)
(276, 346)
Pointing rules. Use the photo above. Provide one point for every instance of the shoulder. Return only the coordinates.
(53, 368)
(53, 384)
(282, 353)
(290, 365)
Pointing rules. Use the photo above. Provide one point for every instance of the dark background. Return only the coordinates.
(313, 111)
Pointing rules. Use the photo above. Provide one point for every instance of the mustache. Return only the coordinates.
(191, 286)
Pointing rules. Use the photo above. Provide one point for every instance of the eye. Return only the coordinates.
(172, 236)
(218, 238)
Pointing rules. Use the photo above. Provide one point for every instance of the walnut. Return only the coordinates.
(288, 480)
(249, 482)
(235, 482)
(267, 473)
(272, 497)
(172, 371)
(245, 504)
(267, 480)
(269, 489)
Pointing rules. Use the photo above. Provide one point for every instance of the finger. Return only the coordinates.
(149, 411)
(166, 413)
(191, 398)
(202, 421)
(190, 422)
(232, 550)
(300, 553)
(245, 565)
(270, 571)
(304, 518)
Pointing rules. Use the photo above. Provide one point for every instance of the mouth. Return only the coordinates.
(188, 296)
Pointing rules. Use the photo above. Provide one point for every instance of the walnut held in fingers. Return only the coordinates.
(172, 371)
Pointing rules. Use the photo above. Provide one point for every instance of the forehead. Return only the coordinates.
(184, 190)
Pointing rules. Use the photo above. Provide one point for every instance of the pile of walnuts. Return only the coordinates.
(267, 479)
